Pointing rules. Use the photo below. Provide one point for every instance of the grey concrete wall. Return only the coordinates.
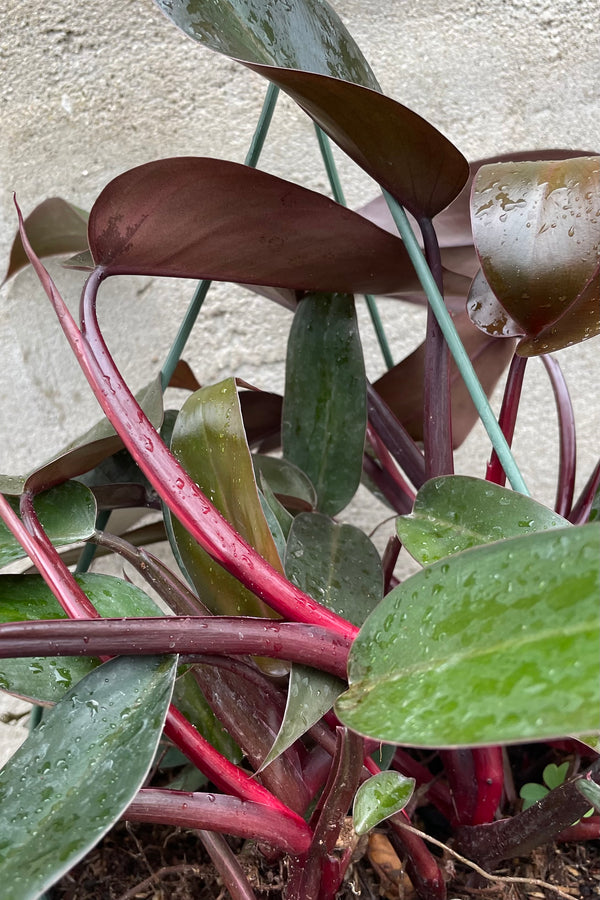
(89, 89)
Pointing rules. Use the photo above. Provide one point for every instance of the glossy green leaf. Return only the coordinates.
(536, 227)
(325, 406)
(398, 148)
(287, 481)
(54, 227)
(210, 442)
(496, 644)
(380, 797)
(67, 514)
(28, 598)
(311, 694)
(590, 790)
(278, 511)
(337, 565)
(194, 217)
(299, 34)
(79, 770)
(455, 512)
(274, 516)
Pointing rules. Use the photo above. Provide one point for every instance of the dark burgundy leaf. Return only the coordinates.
(206, 218)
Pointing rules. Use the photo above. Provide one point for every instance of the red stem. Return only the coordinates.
(437, 413)
(508, 415)
(191, 636)
(566, 430)
(580, 512)
(227, 815)
(173, 484)
(489, 775)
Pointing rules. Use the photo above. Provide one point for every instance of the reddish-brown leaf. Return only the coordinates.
(206, 218)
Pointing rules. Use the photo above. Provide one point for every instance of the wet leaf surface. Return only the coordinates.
(536, 227)
(28, 598)
(453, 513)
(66, 512)
(326, 74)
(517, 621)
(337, 565)
(79, 770)
(325, 408)
(209, 441)
(380, 797)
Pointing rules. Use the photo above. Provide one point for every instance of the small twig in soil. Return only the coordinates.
(183, 869)
(503, 879)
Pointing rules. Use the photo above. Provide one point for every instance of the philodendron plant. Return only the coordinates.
(289, 679)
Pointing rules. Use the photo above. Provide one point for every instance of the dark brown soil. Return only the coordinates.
(145, 862)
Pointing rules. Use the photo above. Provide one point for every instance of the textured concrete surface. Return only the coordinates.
(91, 89)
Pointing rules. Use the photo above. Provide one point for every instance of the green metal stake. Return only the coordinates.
(338, 196)
(459, 353)
(201, 291)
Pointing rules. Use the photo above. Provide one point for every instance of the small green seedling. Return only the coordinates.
(553, 776)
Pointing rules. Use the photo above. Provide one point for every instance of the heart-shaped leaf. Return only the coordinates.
(79, 770)
(55, 226)
(209, 441)
(536, 227)
(380, 797)
(456, 512)
(298, 46)
(67, 514)
(325, 406)
(28, 598)
(207, 218)
(496, 644)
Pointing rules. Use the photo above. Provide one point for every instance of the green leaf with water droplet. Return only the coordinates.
(380, 797)
(303, 47)
(78, 771)
(337, 565)
(325, 403)
(210, 442)
(496, 644)
(455, 512)
(67, 514)
(28, 598)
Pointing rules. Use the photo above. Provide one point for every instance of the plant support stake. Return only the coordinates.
(461, 358)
